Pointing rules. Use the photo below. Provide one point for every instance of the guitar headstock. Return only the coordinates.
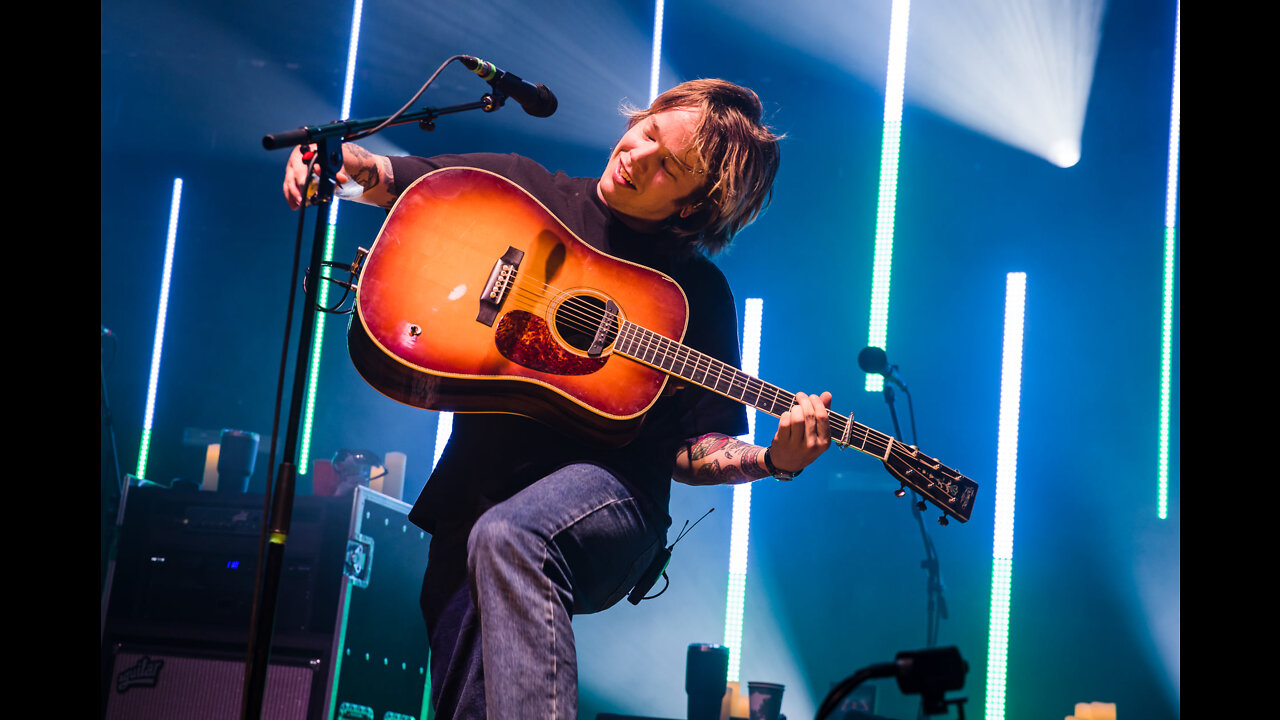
(949, 490)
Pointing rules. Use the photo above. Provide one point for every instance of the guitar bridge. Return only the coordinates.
(495, 290)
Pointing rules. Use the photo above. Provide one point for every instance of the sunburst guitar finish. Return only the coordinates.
(476, 298)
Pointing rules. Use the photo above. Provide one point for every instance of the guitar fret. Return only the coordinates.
(720, 385)
(881, 440)
(772, 405)
(676, 356)
(689, 364)
(651, 349)
(672, 358)
(682, 358)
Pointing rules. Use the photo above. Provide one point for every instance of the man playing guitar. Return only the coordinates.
(533, 523)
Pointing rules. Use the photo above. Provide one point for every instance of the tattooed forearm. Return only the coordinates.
(710, 444)
(372, 172)
(716, 459)
(753, 462)
(362, 167)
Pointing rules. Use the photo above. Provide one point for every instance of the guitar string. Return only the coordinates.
(588, 313)
(590, 316)
(694, 361)
(586, 317)
(701, 364)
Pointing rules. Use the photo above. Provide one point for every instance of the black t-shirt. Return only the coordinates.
(490, 457)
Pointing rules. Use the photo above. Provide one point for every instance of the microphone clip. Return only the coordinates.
(493, 100)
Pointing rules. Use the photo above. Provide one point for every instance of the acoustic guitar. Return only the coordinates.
(476, 298)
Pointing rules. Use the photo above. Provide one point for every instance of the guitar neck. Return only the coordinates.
(683, 362)
(944, 487)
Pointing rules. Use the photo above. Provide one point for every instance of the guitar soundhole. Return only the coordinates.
(578, 318)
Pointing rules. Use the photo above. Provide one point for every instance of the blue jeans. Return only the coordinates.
(498, 615)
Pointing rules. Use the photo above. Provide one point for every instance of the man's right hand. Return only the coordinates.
(370, 172)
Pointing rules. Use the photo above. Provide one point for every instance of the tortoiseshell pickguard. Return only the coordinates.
(524, 339)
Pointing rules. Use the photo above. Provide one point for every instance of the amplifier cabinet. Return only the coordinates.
(348, 640)
(168, 683)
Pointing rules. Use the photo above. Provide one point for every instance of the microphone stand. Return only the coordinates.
(329, 140)
(936, 609)
(110, 494)
(341, 129)
(893, 411)
(278, 515)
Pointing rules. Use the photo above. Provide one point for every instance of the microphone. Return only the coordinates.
(536, 100)
(872, 360)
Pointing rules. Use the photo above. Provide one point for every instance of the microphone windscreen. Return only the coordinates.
(873, 360)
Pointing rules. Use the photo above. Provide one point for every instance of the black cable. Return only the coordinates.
(666, 585)
(846, 686)
(412, 100)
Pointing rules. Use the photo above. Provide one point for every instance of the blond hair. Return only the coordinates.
(739, 152)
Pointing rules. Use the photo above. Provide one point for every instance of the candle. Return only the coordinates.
(210, 481)
(393, 481)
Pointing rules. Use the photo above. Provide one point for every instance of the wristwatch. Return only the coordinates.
(774, 471)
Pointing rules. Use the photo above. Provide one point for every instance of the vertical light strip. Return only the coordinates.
(895, 82)
(655, 62)
(1006, 486)
(322, 292)
(1170, 246)
(735, 606)
(157, 345)
(313, 367)
(348, 84)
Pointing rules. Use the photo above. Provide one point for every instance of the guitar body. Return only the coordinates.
(476, 298)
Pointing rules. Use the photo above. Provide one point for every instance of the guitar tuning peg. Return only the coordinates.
(943, 521)
(900, 492)
(922, 506)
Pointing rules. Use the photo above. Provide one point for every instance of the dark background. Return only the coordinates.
(189, 89)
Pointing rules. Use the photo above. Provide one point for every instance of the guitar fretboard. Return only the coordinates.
(947, 489)
(681, 361)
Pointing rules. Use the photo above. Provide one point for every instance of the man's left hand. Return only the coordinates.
(803, 433)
